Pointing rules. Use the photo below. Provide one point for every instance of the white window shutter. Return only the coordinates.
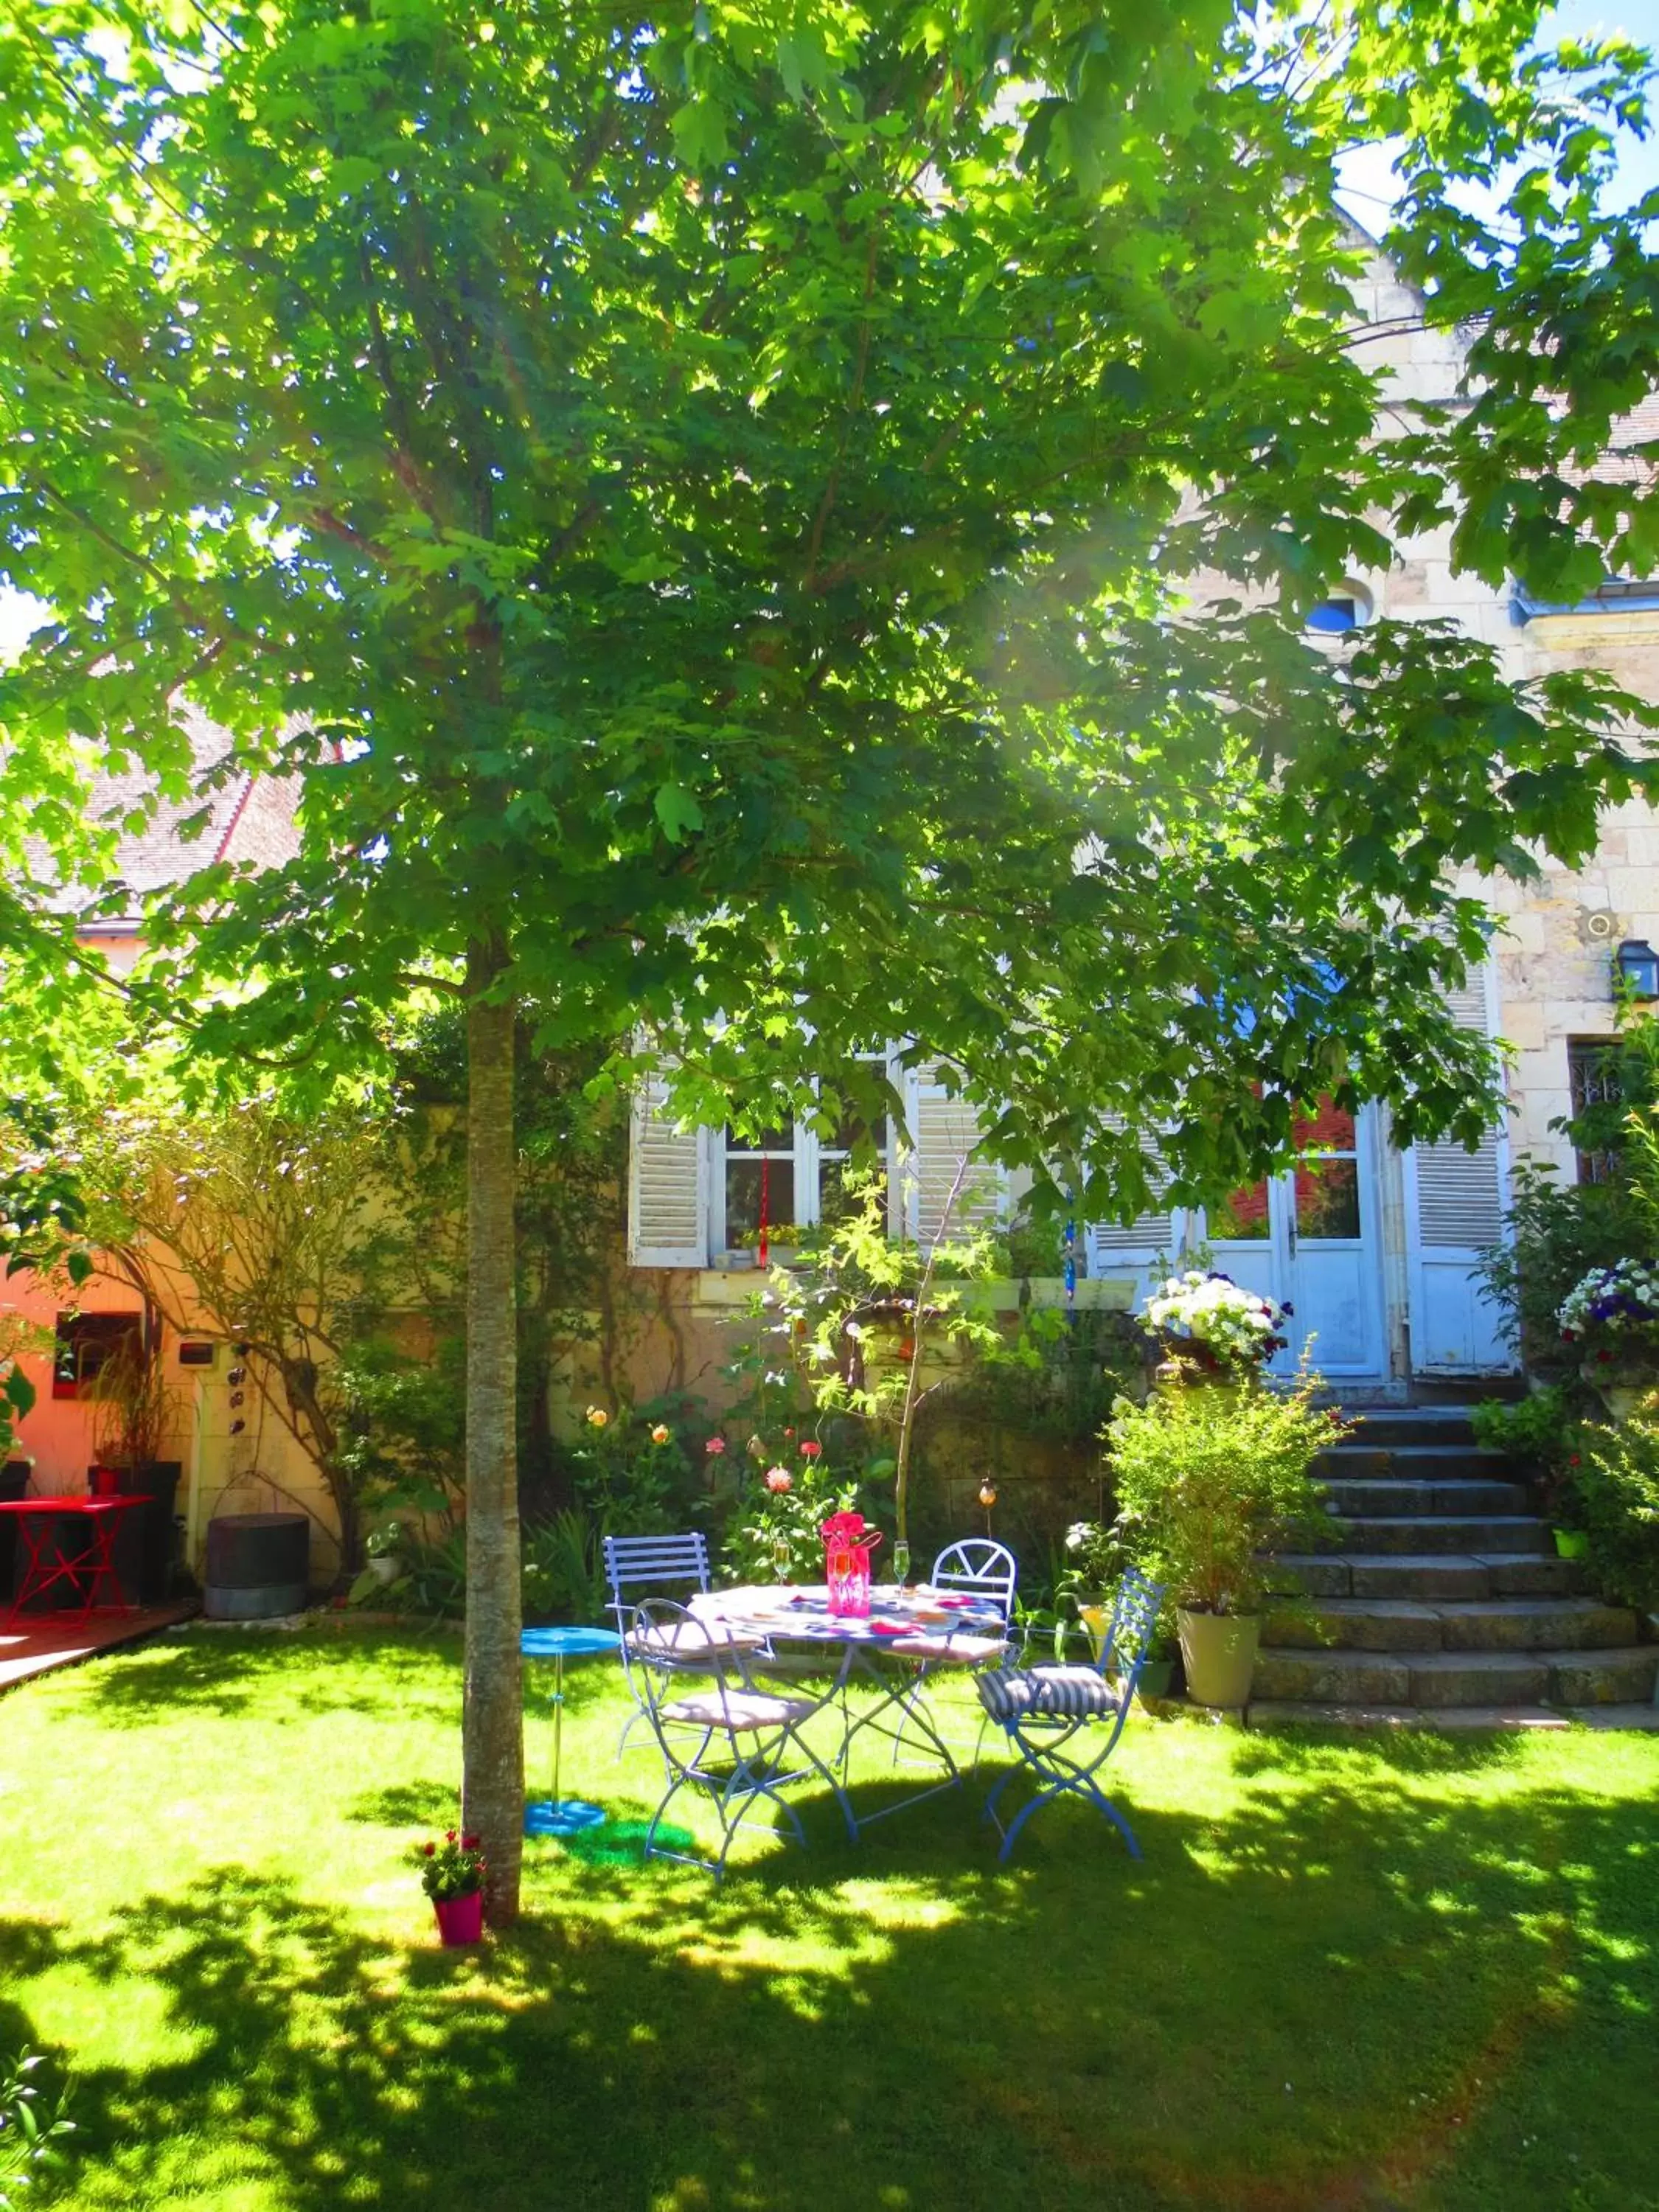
(1150, 1235)
(667, 1185)
(944, 1130)
(1455, 1209)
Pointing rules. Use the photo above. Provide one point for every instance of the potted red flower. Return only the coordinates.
(452, 1875)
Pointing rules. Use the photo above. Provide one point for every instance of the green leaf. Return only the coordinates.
(678, 810)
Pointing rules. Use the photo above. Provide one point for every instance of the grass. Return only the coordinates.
(1418, 1972)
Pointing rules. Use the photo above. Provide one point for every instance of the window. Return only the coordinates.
(1334, 617)
(796, 1175)
(1598, 1105)
(86, 1342)
(1347, 609)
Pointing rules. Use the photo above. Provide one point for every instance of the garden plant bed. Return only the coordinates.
(1395, 1969)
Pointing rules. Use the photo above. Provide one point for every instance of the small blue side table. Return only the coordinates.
(556, 1816)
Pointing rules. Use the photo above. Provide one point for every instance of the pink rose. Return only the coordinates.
(811, 1449)
(778, 1479)
(715, 1444)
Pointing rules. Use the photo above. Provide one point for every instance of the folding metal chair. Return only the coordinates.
(721, 1730)
(638, 1563)
(1041, 1710)
(975, 1567)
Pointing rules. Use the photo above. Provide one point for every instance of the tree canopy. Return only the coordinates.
(704, 499)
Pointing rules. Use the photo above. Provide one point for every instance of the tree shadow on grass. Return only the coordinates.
(1393, 1750)
(230, 1673)
(1337, 1996)
(407, 1805)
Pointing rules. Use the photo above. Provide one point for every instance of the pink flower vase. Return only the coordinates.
(847, 1571)
(460, 1919)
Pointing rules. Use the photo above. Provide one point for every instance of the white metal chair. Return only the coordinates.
(721, 1730)
(976, 1567)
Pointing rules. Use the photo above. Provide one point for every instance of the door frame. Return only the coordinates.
(1280, 1246)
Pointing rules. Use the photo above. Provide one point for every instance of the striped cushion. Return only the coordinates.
(1056, 1692)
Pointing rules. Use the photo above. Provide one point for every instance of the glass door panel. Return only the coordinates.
(1307, 1239)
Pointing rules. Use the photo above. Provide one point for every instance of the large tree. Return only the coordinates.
(700, 497)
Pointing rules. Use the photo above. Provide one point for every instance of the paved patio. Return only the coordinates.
(35, 1648)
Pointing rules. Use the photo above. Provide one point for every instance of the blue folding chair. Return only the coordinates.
(639, 1563)
(1041, 1710)
(723, 1731)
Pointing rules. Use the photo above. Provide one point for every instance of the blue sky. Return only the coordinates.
(1367, 188)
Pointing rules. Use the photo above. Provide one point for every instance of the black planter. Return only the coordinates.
(14, 1481)
(143, 1542)
(259, 1566)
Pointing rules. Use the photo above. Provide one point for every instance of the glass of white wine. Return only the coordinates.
(901, 1563)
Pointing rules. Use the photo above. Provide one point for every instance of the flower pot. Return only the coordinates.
(385, 1567)
(460, 1919)
(1571, 1544)
(1621, 1384)
(1156, 1676)
(1219, 1651)
(1097, 1618)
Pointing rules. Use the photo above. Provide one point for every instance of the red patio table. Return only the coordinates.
(93, 1570)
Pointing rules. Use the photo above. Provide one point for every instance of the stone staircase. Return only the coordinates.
(1438, 1599)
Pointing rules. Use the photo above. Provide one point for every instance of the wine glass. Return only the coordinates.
(781, 1558)
(901, 1564)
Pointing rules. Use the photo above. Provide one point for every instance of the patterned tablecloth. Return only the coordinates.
(800, 1612)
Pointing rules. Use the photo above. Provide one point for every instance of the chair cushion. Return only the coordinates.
(964, 1650)
(1052, 1692)
(739, 1710)
(691, 1639)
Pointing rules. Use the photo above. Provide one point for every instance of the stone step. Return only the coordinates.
(1440, 1532)
(1354, 1498)
(1411, 1424)
(1434, 1577)
(1516, 1624)
(1417, 1463)
(1275, 1713)
(1443, 1679)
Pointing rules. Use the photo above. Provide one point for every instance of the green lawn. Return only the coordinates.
(1420, 1972)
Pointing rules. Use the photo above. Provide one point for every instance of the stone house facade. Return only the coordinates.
(1375, 1247)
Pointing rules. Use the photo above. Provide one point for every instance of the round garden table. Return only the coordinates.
(556, 1816)
(892, 1650)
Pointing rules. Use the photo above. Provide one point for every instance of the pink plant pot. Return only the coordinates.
(460, 1919)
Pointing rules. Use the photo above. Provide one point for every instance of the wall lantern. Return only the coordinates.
(1638, 965)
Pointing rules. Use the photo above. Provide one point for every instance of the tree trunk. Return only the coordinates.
(492, 1788)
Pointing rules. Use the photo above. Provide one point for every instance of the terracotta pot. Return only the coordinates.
(460, 1919)
(1218, 1652)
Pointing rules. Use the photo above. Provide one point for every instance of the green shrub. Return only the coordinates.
(1616, 1481)
(563, 1568)
(1538, 1429)
(1558, 1234)
(31, 2133)
(1209, 1477)
(774, 1534)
